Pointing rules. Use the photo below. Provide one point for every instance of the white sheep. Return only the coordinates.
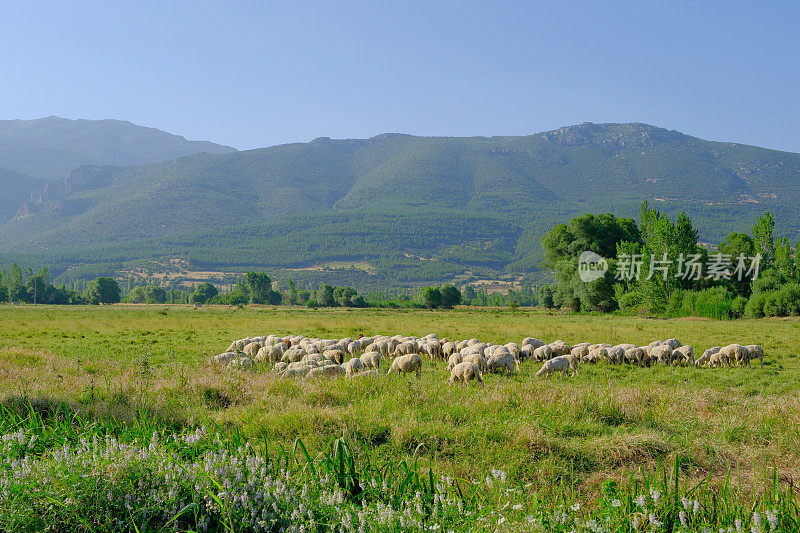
(504, 360)
(531, 341)
(453, 360)
(225, 357)
(595, 355)
(448, 349)
(353, 366)
(737, 353)
(559, 348)
(636, 356)
(251, 349)
(662, 353)
(406, 364)
(718, 359)
(683, 355)
(465, 372)
(703, 359)
(580, 350)
(615, 354)
(756, 352)
(327, 370)
(562, 363)
(479, 360)
(372, 360)
(543, 353)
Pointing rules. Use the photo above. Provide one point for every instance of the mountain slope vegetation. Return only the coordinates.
(418, 209)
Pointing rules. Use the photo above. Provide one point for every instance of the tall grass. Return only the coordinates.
(64, 472)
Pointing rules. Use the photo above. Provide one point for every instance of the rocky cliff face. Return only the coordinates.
(81, 179)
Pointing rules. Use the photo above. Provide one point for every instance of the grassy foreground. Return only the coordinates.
(569, 451)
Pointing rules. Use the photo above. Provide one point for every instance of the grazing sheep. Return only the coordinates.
(313, 359)
(366, 373)
(337, 356)
(580, 351)
(241, 363)
(526, 352)
(559, 348)
(562, 363)
(595, 355)
(703, 359)
(453, 360)
(601, 345)
(225, 357)
(513, 347)
(465, 372)
(531, 341)
(406, 364)
(432, 349)
(448, 349)
(479, 360)
(737, 353)
(636, 356)
(615, 354)
(326, 371)
(505, 360)
(251, 349)
(718, 359)
(372, 360)
(683, 355)
(543, 353)
(661, 353)
(280, 368)
(407, 348)
(499, 350)
(353, 366)
(756, 352)
(672, 343)
(293, 355)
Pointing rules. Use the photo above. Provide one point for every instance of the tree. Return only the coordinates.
(17, 292)
(259, 285)
(784, 258)
(38, 286)
(563, 246)
(104, 290)
(203, 292)
(431, 297)
(468, 294)
(738, 245)
(763, 239)
(239, 295)
(667, 248)
(344, 296)
(153, 294)
(451, 296)
(293, 293)
(325, 296)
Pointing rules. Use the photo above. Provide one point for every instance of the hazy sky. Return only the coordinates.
(253, 74)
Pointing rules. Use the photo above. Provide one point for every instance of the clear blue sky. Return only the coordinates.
(253, 74)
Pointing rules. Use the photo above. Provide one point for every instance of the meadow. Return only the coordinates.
(616, 447)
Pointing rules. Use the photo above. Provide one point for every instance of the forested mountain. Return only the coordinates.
(49, 148)
(402, 210)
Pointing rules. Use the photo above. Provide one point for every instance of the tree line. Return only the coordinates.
(746, 275)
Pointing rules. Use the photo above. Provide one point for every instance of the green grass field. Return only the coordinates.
(734, 431)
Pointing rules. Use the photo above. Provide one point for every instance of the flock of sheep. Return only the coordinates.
(467, 360)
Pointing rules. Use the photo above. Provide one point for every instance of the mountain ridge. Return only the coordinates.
(50, 147)
(467, 206)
